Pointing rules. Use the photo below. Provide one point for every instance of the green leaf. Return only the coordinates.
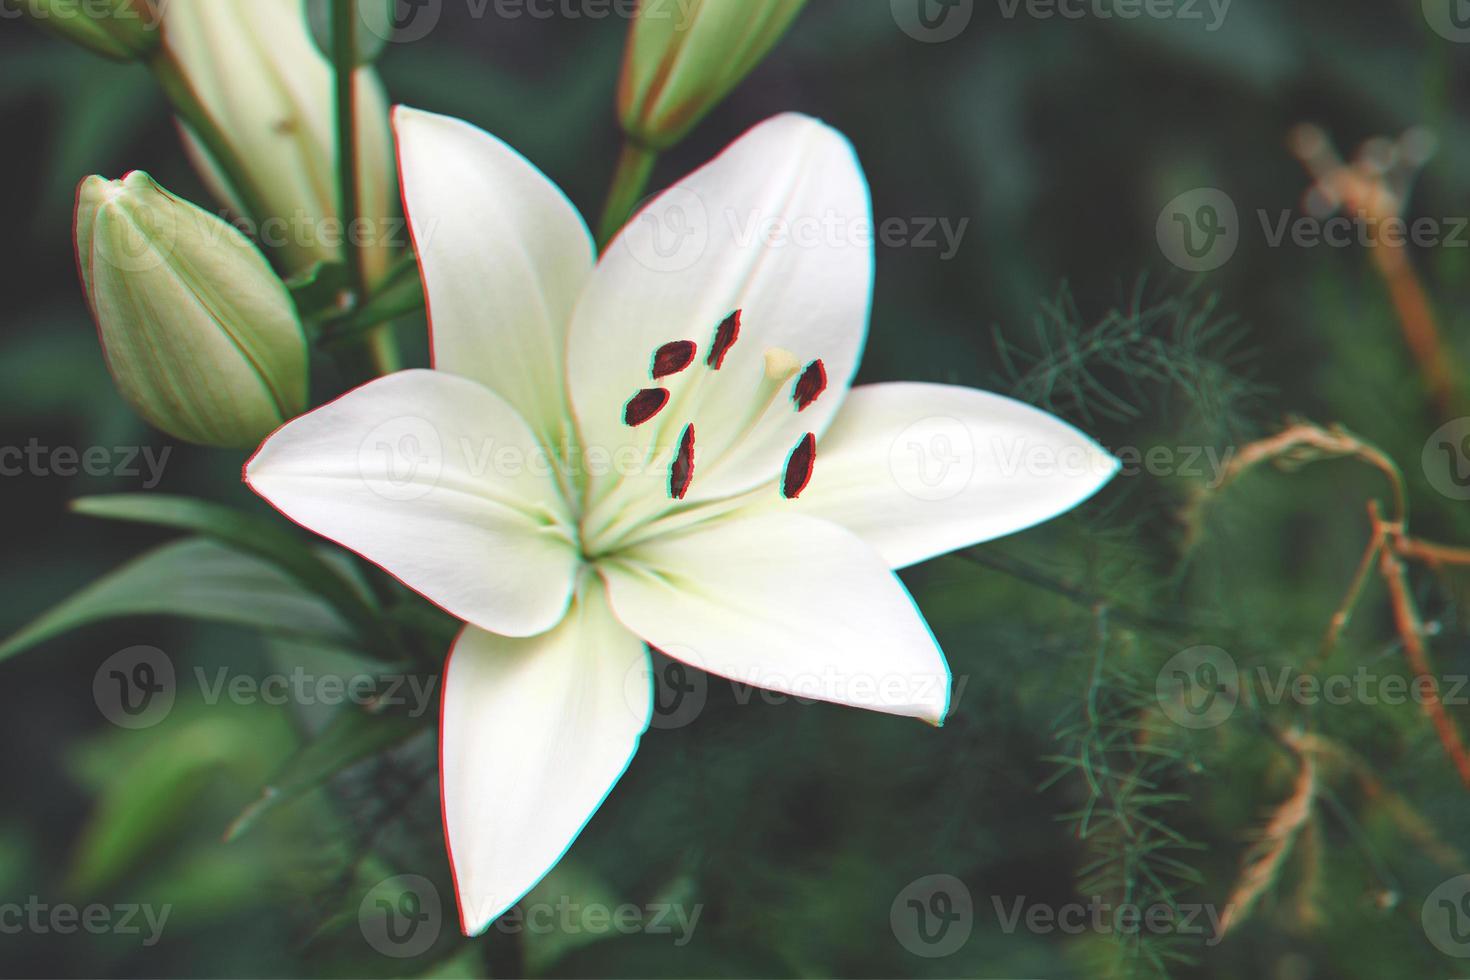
(400, 293)
(374, 27)
(356, 733)
(318, 291)
(151, 795)
(197, 579)
(253, 536)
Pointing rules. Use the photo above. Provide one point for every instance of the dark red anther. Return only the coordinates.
(682, 471)
(725, 338)
(645, 405)
(672, 358)
(810, 385)
(799, 467)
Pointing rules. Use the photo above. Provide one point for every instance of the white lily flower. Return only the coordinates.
(658, 448)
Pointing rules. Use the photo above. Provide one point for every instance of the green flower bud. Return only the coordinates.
(261, 79)
(200, 335)
(120, 29)
(684, 57)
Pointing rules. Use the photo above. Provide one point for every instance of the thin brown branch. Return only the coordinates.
(1411, 632)
(1432, 554)
(1344, 612)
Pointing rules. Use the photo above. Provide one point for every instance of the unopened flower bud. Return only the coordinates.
(120, 29)
(200, 335)
(684, 57)
(266, 86)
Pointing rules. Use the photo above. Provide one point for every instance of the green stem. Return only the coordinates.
(374, 354)
(399, 293)
(190, 109)
(344, 60)
(635, 166)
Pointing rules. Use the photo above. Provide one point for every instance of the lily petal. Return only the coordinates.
(504, 256)
(919, 470)
(533, 736)
(785, 603)
(440, 482)
(778, 228)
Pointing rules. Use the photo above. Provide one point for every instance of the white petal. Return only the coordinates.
(918, 470)
(533, 736)
(504, 256)
(785, 603)
(779, 227)
(437, 480)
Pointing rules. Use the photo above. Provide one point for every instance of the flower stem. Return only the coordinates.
(344, 62)
(375, 354)
(635, 166)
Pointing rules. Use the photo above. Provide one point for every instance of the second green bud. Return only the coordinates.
(200, 334)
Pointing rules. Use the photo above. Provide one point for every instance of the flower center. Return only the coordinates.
(679, 383)
(674, 357)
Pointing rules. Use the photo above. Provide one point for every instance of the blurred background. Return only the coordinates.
(1053, 182)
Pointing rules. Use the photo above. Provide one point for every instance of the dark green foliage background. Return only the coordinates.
(796, 826)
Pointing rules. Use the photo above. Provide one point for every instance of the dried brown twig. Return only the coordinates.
(1374, 188)
(1262, 864)
(1390, 548)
